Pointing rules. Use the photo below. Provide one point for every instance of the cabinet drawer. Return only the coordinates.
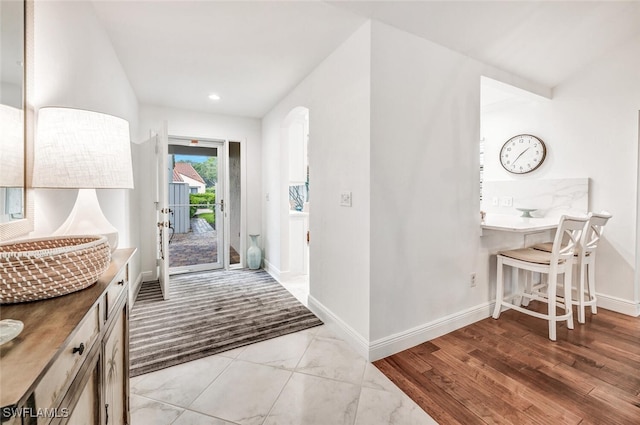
(115, 289)
(59, 376)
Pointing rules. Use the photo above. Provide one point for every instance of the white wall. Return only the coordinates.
(590, 128)
(596, 113)
(184, 123)
(337, 95)
(395, 120)
(75, 66)
(424, 182)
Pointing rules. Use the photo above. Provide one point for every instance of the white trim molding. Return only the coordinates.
(395, 343)
(149, 276)
(339, 327)
(134, 289)
(272, 270)
(619, 305)
(400, 341)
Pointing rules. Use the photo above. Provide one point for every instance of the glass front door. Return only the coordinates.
(196, 203)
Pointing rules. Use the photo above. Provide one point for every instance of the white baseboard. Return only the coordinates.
(134, 289)
(278, 274)
(272, 270)
(148, 276)
(289, 275)
(339, 327)
(392, 344)
(618, 305)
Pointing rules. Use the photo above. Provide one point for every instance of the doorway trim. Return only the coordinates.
(243, 205)
(223, 177)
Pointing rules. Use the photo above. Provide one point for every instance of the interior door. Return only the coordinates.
(162, 207)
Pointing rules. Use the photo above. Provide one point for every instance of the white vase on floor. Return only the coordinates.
(254, 254)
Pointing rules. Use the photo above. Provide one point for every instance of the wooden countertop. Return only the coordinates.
(48, 325)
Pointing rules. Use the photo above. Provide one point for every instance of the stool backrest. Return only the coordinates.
(570, 229)
(593, 232)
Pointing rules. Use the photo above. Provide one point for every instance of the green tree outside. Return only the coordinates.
(208, 170)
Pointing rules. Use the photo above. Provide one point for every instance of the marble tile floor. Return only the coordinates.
(306, 378)
(298, 286)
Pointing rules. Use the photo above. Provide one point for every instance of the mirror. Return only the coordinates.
(16, 18)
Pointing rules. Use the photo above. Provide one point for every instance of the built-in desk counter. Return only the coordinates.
(513, 223)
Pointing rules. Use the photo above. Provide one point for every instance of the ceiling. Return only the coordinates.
(252, 53)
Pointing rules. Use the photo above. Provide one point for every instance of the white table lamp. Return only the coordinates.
(85, 150)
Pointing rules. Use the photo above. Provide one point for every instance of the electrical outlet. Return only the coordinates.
(506, 201)
(345, 199)
(473, 280)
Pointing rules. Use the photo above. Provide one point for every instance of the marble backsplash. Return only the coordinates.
(550, 198)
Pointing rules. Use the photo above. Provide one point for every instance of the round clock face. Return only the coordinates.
(522, 154)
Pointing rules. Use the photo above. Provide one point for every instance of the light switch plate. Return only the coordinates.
(345, 199)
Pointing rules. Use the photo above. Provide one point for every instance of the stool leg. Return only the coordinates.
(499, 288)
(591, 278)
(568, 305)
(551, 291)
(581, 288)
(528, 284)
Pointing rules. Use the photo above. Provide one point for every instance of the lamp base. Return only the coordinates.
(86, 218)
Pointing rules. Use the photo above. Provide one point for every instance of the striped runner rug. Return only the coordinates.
(207, 313)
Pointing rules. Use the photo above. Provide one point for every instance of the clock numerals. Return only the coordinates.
(522, 154)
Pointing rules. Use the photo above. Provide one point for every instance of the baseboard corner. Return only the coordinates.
(272, 270)
(339, 327)
(134, 289)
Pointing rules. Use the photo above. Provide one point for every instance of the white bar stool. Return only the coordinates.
(586, 260)
(557, 262)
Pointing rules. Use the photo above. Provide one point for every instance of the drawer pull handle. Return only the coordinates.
(121, 282)
(79, 349)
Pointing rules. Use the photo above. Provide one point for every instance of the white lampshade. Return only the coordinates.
(11, 147)
(83, 150)
(75, 148)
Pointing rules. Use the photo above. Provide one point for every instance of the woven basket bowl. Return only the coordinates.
(38, 269)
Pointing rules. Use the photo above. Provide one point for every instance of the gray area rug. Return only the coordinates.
(208, 313)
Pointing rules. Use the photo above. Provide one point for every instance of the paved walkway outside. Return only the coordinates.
(200, 225)
(199, 246)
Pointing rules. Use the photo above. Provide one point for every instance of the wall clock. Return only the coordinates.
(522, 154)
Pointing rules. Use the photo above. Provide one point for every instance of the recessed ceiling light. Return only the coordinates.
(214, 96)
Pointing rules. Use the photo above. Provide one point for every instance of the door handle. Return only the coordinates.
(222, 205)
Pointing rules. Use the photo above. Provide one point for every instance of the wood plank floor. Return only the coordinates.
(507, 371)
